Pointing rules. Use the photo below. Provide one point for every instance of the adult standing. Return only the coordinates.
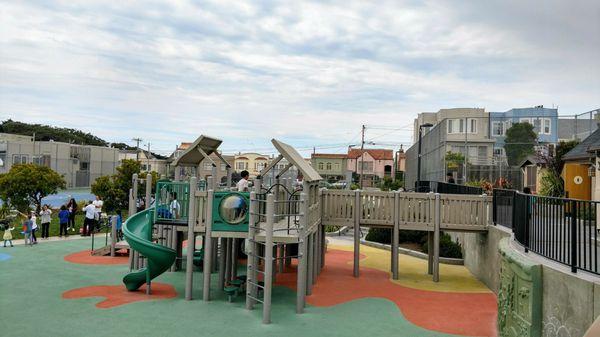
(45, 214)
(98, 203)
(90, 219)
(72, 208)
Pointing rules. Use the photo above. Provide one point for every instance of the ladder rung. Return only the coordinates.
(254, 298)
(256, 284)
(254, 255)
(258, 271)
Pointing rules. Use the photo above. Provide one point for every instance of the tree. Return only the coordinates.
(114, 190)
(551, 183)
(519, 142)
(27, 184)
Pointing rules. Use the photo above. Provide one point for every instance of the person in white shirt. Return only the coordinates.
(45, 214)
(98, 203)
(243, 185)
(175, 207)
(90, 219)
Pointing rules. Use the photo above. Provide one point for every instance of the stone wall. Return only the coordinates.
(570, 302)
(480, 252)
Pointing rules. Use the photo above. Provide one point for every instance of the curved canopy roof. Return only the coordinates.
(293, 157)
(192, 157)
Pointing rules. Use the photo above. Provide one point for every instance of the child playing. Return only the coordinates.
(119, 225)
(27, 227)
(8, 235)
(33, 227)
(63, 219)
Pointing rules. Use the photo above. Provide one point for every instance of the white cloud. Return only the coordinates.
(310, 72)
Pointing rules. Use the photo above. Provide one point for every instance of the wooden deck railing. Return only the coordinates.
(415, 211)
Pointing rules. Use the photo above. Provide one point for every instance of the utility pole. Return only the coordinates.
(148, 157)
(137, 147)
(362, 152)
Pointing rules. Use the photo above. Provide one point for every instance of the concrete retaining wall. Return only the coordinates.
(570, 302)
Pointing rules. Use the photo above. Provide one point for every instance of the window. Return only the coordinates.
(472, 125)
(547, 126)
(328, 166)
(207, 167)
(367, 166)
(525, 120)
(84, 166)
(320, 166)
(241, 165)
(457, 126)
(499, 152)
(336, 166)
(223, 167)
(19, 159)
(497, 128)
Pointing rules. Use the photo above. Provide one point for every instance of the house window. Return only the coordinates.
(223, 167)
(241, 165)
(19, 159)
(472, 125)
(43, 160)
(547, 126)
(367, 166)
(321, 166)
(328, 166)
(84, 166)
(498, 152)
(457, 126)
(336, 166)
(497, 128)
(525, 120)
(207, 166)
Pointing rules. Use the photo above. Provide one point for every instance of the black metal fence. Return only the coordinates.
(560, 229)
(446, 188)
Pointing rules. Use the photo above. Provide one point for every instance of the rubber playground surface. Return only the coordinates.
(63, 291)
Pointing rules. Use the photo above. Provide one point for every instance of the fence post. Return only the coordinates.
(528, 216)
(573, 236)
(513, 215)
(357, 216)
(436, 239)
(395, 234)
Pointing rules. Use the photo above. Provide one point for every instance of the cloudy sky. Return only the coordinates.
(309, 73)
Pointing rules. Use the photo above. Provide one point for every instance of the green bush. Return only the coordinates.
(381, 235)
(448, 248)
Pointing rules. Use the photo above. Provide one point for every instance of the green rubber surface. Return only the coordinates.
(138, 233)
(32, 305)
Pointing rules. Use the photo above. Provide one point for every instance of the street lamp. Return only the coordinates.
(426, 125)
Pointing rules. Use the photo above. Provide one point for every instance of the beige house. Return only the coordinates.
(147, 160)
(205, 169)
(251, 162)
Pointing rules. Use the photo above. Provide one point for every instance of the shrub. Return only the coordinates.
(381, 235)
(448, 248)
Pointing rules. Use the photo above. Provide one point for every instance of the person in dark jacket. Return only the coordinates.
(63, 219)
(72, 208)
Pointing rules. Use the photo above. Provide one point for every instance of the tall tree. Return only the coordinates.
(114, 190)
(27, 184)
(519, 142)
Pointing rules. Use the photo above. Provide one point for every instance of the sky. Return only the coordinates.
(307, 72)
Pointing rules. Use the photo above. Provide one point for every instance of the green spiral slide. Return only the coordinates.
(138, 233)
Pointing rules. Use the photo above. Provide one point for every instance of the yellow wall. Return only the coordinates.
(578, 183)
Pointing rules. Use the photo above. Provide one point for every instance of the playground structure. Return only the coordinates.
(278, 224)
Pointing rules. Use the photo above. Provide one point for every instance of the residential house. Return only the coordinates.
(579, 171)
(544, 121)
(331, 166)
(80, 165)
(251, 162)
(205, 169)
(373, 164)
(148, 161)
(463, 131)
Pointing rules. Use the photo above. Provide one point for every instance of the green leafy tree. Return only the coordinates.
(27, 184)
(551, 183)
(519, 142)
(114, 190)
(454, 159)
